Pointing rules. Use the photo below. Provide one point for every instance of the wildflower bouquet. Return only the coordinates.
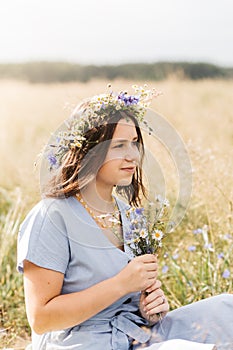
(148, 227)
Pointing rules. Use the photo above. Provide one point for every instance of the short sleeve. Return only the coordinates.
(43, 239)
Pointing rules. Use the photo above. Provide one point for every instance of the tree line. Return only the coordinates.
(49, 72)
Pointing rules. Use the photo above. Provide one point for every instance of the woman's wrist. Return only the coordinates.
(119, 286)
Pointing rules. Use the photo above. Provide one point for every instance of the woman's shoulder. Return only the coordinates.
(49, 204)
(42, 237)
(48, 208)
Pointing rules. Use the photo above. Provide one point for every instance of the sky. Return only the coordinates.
(114, 32)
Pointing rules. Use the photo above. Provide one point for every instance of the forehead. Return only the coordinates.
(125, 129)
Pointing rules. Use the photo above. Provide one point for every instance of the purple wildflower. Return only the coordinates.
(139, 211)
(191, 248)
(165, 269)
(227, 236)
(226, 273)
(52, 159)
(149, 250)
(175, 256)
(128, 235)
(208, 246)
(128, 100)
(197, 231)
(221, 255)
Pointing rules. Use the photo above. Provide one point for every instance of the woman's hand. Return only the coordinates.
(153, 303)
(140, 274)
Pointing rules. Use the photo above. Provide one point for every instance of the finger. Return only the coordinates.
(160, 309)
(154, 303)
(151, 275)
(155, 309)
(151, 266)
(157, 294)
(148, 282)
(147, 258)
(155, 286)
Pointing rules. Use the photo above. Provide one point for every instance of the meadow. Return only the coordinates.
(196, 260)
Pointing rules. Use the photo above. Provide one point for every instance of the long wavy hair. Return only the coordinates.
(80, 165)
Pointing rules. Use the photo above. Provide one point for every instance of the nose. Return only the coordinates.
(132, 153)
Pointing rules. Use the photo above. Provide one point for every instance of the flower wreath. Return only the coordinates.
(95, 112)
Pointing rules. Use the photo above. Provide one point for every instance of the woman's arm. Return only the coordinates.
(48, 310)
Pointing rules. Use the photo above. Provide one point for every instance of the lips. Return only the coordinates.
(130, 169)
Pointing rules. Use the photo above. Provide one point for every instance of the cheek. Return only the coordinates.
(109, 167)
(114, 155)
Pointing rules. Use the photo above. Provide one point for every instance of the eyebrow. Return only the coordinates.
(124, 140)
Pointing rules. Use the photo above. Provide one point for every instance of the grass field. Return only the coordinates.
(196, 263)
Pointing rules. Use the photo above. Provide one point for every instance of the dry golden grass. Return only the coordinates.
(200, 111)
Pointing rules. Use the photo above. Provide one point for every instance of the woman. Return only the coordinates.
(83, 288)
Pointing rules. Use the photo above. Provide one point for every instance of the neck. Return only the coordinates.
(98, 198)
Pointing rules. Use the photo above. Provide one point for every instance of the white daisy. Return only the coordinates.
(157, 234)
(143, 233)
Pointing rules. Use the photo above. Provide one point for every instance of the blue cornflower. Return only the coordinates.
(128, 100)
(192, 248)
(165, 269)
(149, 250)
(227, 236)
(139, 211)
(128, 235)
(175, 256)
(134, 100)
(226, 273)
(52, 159)
(198, 230)
(208, 245)
(122, 97)
(221, 255)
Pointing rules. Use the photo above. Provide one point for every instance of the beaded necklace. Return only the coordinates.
(99, 219)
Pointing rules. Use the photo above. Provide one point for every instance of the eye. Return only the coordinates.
(119, 145)
(135, 144)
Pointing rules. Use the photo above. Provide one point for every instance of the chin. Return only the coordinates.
(124, 183)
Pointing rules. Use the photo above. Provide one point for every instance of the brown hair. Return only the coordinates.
(80, 165)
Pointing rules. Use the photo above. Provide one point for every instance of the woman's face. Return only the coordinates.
(122, 157)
